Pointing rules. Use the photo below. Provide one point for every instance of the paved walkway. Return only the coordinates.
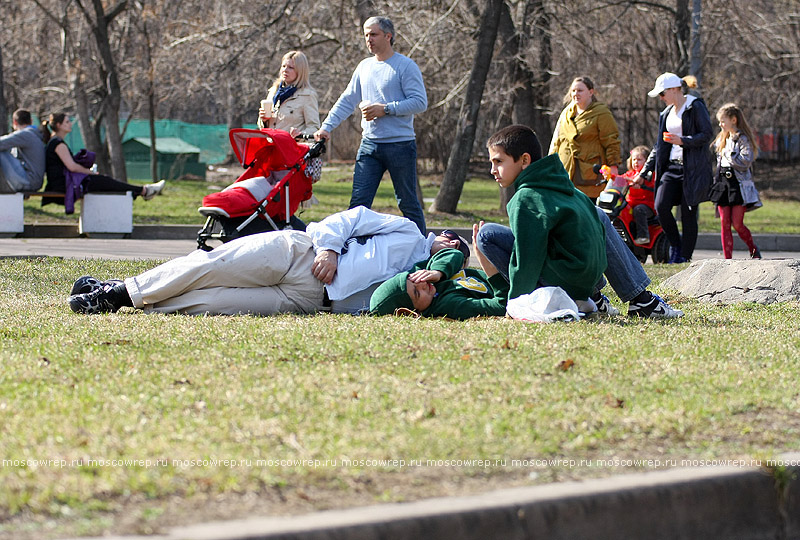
(167, 242)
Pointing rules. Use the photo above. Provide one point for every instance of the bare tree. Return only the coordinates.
(3, 106)
(461, 150)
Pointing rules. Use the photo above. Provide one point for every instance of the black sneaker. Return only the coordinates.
(655, 308)
(107, 298)
(84, 285)
(87, 284)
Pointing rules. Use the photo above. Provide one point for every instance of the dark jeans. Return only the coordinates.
(641, 213)
(400, 159)
(100, 182)
(669, 194)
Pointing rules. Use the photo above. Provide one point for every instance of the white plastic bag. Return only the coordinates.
(545, 304)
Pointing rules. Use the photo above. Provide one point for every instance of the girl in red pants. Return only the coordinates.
(733, 190)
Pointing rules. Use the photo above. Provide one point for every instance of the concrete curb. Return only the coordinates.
(689, 503)
(765, 242)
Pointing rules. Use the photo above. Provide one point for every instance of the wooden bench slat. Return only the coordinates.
(29, 194)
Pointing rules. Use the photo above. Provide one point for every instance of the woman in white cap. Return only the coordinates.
(681, 159)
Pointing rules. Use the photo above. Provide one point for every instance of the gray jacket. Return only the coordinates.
(740, 153)
(30, 152)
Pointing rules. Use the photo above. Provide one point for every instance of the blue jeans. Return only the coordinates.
(624, 272)
(400, 159)
(12, 175)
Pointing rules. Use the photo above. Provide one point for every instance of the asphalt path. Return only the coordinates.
(108, 248)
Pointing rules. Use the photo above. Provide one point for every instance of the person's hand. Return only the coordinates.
(321, 134)
(372, 111)
(475, 228)
(325, 265)
(671, 138)
(638, 180)
(488, 268)
(262, 115)
(431, 276)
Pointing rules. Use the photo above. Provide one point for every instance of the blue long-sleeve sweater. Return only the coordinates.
(396, 82)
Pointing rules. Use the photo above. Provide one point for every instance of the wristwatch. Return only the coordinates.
(386, 110)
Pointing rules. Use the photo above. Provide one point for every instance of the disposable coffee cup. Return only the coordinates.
(267, 106)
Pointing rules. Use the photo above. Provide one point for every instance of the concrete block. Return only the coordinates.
(106, 213)
(11, 214)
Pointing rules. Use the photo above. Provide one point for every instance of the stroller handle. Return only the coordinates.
(316, 150)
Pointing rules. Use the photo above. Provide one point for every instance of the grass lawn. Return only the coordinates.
(136, 412)
(480, 200)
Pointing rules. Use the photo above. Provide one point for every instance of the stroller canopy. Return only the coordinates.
(271, 149)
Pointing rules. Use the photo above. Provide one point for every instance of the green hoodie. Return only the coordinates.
(466, 293)
(558, 237)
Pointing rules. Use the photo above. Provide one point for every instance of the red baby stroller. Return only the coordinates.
(266, 196)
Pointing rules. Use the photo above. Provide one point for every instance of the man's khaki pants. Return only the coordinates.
(260, 274)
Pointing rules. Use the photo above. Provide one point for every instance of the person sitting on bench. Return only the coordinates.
(68, 176)
(22, 156)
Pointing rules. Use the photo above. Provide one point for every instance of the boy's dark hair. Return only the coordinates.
(516, 140)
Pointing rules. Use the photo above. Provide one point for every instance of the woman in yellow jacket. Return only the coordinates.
(586, 135)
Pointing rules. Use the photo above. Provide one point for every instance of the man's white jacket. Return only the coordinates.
(372, 247)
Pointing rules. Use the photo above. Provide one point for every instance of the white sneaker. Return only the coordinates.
(642, 240)
(605, 308)
(151, 190)
(655, 308)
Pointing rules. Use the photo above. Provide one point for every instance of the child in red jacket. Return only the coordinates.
(641, 195)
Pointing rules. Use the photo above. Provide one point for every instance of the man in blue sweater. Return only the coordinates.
(388, 90)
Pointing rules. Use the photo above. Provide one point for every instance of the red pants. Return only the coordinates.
(734, 215)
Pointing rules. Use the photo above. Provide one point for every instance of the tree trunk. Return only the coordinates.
(113, 98)
(461, 150)
(682, 35)
(151, 102)
(696, 52)
(3, 105)
(365, 9)
(89, 129)
(531, 95)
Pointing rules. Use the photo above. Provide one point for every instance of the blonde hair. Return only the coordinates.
(731, 110)
(641, 150)
(300, 65)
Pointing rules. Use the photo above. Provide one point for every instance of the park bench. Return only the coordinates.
(101, 213)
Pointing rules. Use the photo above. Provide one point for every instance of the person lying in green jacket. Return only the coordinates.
(442, 287)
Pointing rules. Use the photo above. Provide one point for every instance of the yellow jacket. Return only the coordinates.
(586, 139)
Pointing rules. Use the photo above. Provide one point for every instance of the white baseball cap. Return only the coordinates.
(664, 81)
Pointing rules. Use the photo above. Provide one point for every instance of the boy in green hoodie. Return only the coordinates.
(558, 239)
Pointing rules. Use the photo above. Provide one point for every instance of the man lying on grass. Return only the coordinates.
(343, 259)
(428, 291)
